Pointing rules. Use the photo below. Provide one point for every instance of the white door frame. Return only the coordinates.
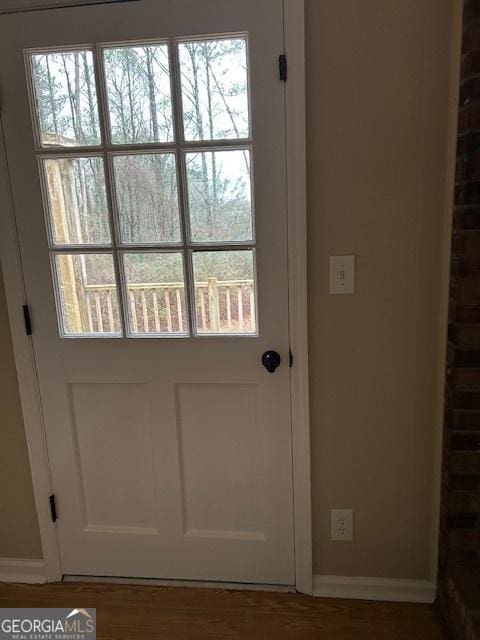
(297, 269)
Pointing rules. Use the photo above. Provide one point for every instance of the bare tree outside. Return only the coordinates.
(139, 94)
(147, 198)
(66, 99)
(215, 89)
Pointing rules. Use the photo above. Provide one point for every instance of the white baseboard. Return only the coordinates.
(387, 589)
(355, 588)
(20, 570)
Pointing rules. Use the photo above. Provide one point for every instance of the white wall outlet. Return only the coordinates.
(342, 524)
(342, 274)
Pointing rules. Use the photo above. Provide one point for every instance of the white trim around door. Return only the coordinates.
(25, 364)
(297, 258)
(294, 17)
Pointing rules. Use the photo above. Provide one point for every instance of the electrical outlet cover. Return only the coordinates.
(342, 525)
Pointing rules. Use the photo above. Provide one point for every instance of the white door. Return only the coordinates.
(146, 150)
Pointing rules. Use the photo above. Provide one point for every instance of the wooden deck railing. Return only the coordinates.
(222, 306)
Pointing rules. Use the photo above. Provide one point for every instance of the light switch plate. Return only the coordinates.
(342, 275)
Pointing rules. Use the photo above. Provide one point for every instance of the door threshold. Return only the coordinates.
(196, 584)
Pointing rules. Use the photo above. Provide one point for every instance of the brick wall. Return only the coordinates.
(459, 570)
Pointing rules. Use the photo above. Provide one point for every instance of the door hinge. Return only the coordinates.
(291, 358)
(282, 67)
(53, 508)
(27, 319)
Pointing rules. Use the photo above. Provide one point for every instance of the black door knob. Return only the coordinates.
(271, 360)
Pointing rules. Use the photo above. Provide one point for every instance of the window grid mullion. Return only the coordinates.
(121, 149)
(177, 111)
(122, 293)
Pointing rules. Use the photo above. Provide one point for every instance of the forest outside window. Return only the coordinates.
(146, 160)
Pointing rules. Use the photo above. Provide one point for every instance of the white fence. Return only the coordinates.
(222, 306)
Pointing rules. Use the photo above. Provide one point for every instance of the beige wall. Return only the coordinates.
(377, 119)
(377, 82)
(19, 536)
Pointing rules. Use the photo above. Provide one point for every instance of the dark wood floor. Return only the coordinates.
(125, 612)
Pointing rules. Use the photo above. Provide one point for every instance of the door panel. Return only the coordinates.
(226, 417)
(169, 443)
(113, 443)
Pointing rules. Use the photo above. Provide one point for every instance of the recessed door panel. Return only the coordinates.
(220, 460)
(112, 436)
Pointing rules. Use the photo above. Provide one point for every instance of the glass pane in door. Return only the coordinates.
(225, 292)
(214, 82)
(65, 96)
(156, 293)
(147, 198)
(87, 294)
(219, 196)
(77, 200)
(139, 95)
